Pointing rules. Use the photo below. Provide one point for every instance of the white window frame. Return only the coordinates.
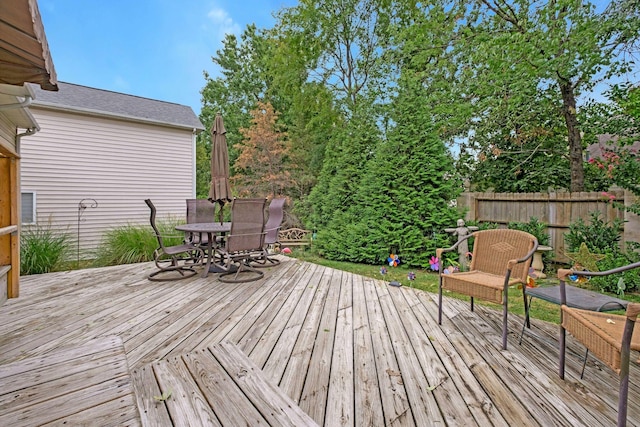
(34, 218)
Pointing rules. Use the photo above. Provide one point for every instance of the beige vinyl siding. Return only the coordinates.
(118, 163)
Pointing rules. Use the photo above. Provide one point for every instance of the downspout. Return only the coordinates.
(19, 136)
(194, 164)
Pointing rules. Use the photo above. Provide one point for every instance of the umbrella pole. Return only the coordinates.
(221, 211)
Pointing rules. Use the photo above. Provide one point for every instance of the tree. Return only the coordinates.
(261, 163)
(624, 21)
(620, 119)
(404, 200)
(343, 34)
(308, 109)
(524, 48)
(243, 82)
(342, 52)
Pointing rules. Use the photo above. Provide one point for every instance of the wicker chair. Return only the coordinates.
(271, 229)
(199, 210)
(610, 337)
(500, 259)
(244, 240)
(173, 262)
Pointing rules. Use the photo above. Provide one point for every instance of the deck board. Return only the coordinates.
(75, 385)
(336, 348)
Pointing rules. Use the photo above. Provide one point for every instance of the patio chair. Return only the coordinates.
(271, 229)
(173, 262)
(245, 238)
(610, 337)
(500, 259)
(584, 299)
(199, 210)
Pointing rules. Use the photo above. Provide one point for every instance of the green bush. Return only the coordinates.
(42, 249)
(604, 238)
(533, 227)
(537, 229)
(130, 244)
(614, 259)
(599, 236)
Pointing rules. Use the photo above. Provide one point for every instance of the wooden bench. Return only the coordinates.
(294, 237)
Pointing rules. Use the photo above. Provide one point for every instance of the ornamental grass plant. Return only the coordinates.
(129, 244)
(42, 250)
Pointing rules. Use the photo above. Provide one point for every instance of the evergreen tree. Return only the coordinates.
(405, 197)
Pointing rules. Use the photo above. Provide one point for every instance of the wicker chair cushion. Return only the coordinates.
(600, 332)
(477, 284)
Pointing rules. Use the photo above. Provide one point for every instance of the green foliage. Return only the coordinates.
(619, 163)
(533, 227)
(599, 236)
(348, 150)
(42, 250)
(537, 229)
(405, 194)
(134, 243)
(614, 259)
(603, 238)
(523, 65)
(370, 91)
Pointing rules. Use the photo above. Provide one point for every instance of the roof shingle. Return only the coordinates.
(103, 102)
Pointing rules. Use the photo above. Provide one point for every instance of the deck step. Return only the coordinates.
(218, 385)
(82, 385)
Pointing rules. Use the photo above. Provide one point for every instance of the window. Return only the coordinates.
(28, 215)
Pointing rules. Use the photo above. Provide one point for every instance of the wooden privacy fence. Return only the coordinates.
(557, 210)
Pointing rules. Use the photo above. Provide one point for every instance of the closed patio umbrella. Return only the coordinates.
(220, 190)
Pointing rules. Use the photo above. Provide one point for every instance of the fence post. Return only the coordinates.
(466, 201)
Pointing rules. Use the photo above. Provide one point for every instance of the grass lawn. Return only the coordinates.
(427, 280)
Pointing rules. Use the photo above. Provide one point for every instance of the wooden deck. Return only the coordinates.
(306, 345)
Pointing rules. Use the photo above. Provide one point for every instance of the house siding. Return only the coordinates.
(118, 163)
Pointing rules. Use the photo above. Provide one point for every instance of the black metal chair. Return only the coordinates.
(245, 239)
(271, 229)
(173, 262)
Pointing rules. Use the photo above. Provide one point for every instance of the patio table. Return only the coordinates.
(212, 229)
(576, 297)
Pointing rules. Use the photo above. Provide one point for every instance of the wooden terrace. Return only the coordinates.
(306, 345)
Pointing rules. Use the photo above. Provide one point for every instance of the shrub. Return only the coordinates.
(599, 236)
(134, 243)
(537, 229)
(604, 238)
(614, 259)
(533, 227)
(42, 250)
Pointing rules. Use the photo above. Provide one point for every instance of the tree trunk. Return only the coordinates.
(573, 134)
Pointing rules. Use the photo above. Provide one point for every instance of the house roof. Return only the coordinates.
(24, 51)
(99, 102)
(607, 142)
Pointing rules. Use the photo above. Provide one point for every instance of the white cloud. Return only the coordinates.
(223, 23)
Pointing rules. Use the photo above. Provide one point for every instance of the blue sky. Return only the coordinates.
(151, 48)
